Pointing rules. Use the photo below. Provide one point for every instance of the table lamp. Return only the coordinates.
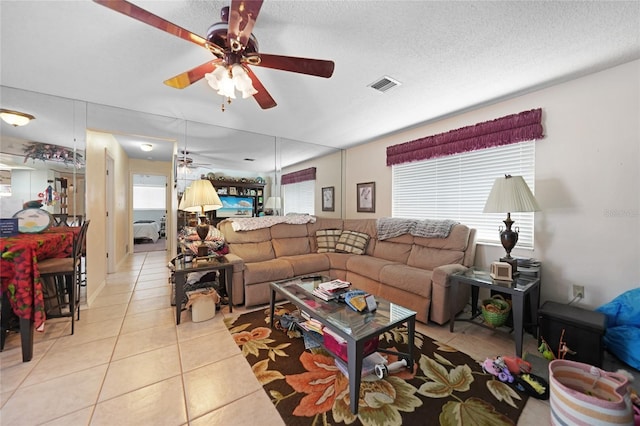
(510, 194)
(201, 197)
(273, 203)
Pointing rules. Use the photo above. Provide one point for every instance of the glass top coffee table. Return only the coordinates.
(355, 328)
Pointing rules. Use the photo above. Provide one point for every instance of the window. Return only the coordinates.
(149, 197)
(299, 197)
(457, 186)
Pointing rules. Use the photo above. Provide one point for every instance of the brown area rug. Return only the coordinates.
(446, 387)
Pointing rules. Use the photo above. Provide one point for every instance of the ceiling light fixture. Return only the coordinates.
(226, 79)
(146, 147)
(15, 118)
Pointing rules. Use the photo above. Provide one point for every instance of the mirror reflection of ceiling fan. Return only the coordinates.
(187, 162)
(235, 49)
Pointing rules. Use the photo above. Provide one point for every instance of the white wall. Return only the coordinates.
(587, 181)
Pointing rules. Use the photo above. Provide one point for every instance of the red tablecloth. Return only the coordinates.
(19, 268)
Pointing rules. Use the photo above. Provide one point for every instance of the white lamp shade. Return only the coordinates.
(201, 197)
(510, 194)
(273, 203)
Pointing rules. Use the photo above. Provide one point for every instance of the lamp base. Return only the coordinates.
(514, 264)
(203, 251)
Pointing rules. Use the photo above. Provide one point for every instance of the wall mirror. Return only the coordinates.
(43, 160)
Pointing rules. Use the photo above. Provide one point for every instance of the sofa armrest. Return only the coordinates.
(237, 278)
(440, 293)
(441, 274)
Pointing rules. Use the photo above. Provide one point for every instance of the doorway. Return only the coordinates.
(149, 213)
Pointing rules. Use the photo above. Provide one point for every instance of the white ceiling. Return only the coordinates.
(449, 57)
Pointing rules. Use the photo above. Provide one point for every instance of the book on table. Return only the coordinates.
(334, 285)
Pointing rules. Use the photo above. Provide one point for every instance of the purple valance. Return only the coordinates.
(299, 176)
(524, 126)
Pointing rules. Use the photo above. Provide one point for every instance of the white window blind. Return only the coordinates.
(149, 197)
(299, 197)
(457, 186)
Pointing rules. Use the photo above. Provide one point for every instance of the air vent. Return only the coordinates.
(385, 83)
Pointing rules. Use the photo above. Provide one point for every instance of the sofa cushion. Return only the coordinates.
(253, 252)
(338, 261)
(407, 278)
(367, 266)
(326, 239)
(397, 252)
(270, 270)
(352, 242)
(235, 237)
(288, 230)
(308, 263)
(431, 258)
(458, 239)
(290, 246)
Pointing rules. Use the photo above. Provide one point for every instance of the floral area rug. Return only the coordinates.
(446, 387)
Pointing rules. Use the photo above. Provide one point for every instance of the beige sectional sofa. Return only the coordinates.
(408, 270)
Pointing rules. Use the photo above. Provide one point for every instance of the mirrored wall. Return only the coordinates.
(52, 149)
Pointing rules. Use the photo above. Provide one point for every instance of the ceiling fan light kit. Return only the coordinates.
(235, 48)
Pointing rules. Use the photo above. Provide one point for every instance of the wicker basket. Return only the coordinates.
(496, 310)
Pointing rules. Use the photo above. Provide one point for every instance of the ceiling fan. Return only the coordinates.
(187, 162)
(235, 50)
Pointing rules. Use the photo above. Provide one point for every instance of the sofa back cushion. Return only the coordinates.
(255, 236)
(429, 253)
(397, 252)
(290, 246)
(458, 239)
(253, 252)
(352, 242)
(326, 240)
(430, 258)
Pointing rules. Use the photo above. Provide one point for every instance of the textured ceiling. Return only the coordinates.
(449, 57)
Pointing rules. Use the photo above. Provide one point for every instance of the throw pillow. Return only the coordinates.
(352, 242)
(327, 240)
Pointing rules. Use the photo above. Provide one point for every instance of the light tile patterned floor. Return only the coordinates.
(129, 364)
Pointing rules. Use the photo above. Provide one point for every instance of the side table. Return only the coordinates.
(216, 264)
(518, 289)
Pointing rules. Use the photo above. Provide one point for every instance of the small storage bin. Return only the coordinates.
(582, 394)
(203, 304)
(338, 345)
(583, 331)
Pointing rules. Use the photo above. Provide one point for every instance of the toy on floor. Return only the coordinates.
(498, 368)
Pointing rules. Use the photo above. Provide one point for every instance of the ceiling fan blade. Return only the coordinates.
(316, 67)
(263, 97)
(187, 78)
(149, 18)
(242, 18)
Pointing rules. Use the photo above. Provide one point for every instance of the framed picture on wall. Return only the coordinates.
(328, 199)
(233, 190)
(366, 197)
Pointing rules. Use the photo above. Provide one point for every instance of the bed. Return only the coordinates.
(146, 230)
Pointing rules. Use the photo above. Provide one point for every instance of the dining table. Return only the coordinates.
(22, 289)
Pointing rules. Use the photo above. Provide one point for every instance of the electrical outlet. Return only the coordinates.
(578, 291)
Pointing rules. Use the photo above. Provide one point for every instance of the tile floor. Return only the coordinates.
(128, 363)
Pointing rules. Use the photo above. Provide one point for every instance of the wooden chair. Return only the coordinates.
(62, 278)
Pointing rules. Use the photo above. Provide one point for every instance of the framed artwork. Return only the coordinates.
(222, 190)
(366, 197)
(328, 199)
(233, 190)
